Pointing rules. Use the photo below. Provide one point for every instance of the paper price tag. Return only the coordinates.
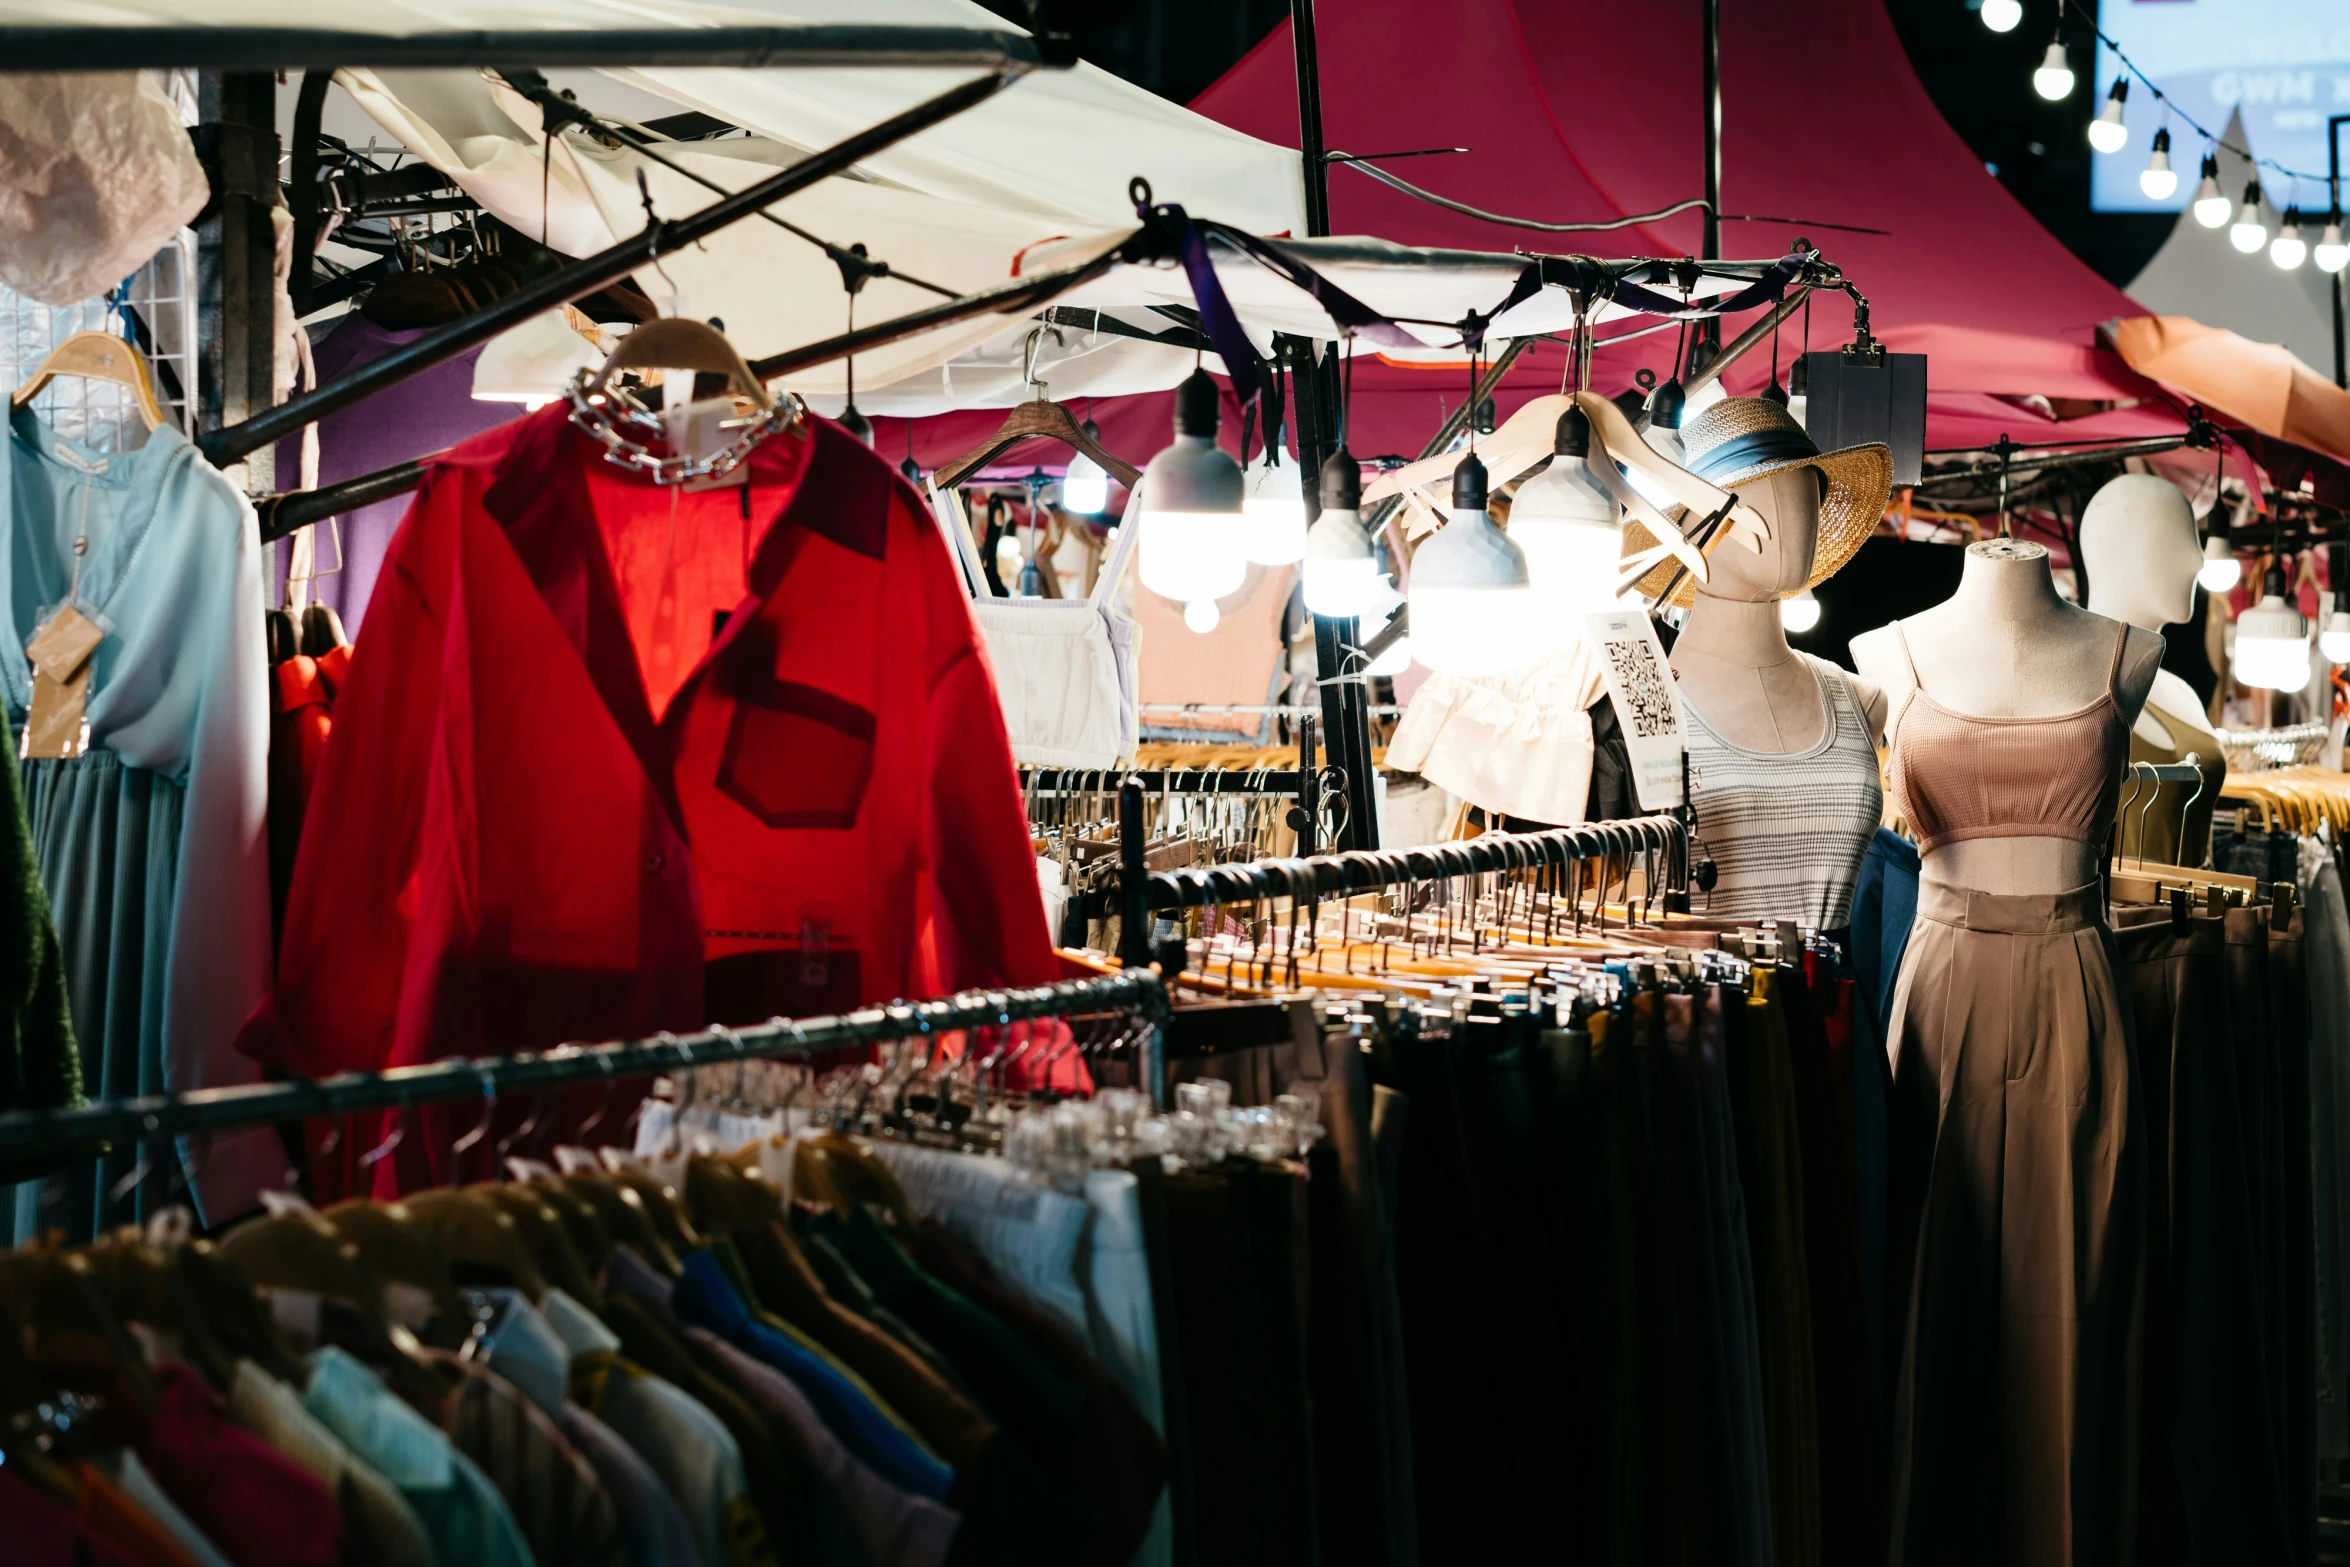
(59, 651)
(1648, 702)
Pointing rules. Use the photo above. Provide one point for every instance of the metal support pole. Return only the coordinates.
(1134, 919)
(1346, 714)
(238, 437)
(1309, 116)
(1710, 246)
(236, 248)
(2334, 124)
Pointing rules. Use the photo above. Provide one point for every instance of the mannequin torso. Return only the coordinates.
(1732, 659)
(2006, 645)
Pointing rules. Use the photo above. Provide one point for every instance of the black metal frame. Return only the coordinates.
(77, 48)
(105, 1122)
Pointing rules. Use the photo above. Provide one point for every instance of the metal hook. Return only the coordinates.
(481, 1129)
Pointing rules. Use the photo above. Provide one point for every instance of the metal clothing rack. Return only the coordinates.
(96, 1125)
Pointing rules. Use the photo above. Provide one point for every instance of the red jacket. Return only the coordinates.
(554, 808)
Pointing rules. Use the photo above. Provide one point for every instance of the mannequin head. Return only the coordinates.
(1790, 503)
(2138, 543)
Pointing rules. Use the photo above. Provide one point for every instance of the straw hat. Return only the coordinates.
(1744, 438)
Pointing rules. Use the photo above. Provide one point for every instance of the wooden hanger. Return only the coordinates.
(1031, 421)
(681, 343)
(397, 1250)
(477, 1235)
(1523, 440)
(544, 1237)
(98, 356)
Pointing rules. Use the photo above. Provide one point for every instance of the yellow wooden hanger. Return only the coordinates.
(98, 356)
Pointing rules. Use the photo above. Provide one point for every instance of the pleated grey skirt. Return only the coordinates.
(2019, 1196)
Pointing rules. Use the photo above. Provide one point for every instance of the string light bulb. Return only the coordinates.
(1276, 513)
(2211, 203)
(2250, 230)
(1799, 612)
(1193, 531)
(2331, 255)
(2107, 133)
(1085, 488)
(1342, 578)
(2272, 640)
(1202, 616)
(2002, 16)
(2334, 641)
(2220, 571)
(2158, 181)
(1473, 606)
(2288, 250)
(1570, 528)
(2054, 79)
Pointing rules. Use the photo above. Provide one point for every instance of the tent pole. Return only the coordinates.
(1710, 247)
(226, 445)
(2334, 126)
(234, 248)
(1309, 116)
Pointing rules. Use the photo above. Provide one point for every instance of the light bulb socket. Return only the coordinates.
(1468, 484)
(1342, 482)
(1198, 406)
(856, 424)
(2115, 96)
(1665, 405)
(1799, 377)
(2162, 145)
(2272, 586)
(2252, 199)
(1573, 438)
(911, 469)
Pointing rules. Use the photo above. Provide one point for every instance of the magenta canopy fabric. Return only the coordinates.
(1577, 113)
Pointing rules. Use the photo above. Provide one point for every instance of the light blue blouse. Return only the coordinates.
(180, 689)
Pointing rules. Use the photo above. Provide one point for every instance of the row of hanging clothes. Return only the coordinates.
(805, 1320)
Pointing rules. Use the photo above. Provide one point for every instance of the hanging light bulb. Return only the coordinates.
(1570, 528)
(2272, 640)
(1342, 578)
(2054, 79)
(2288, 250)
(1798, 391)
(2211, 203)
(2158, 181)
(2107, 133)
(530, 364)
(1276, 513)
(2334, 641)
(1665, 408)
(1473, 606)
(1085, 488)
(2331, 254)
(1202, 616)
(1193, 530)
(2250, 230)
(2220, 571)
(2002, 16)
(1799, 613)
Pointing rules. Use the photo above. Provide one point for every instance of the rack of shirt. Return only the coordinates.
(677, 1359)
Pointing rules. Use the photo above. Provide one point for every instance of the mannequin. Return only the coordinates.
(1732, 658)
(1782, 747)
(2138, 543)
(2007, 645)
(2016, 1133)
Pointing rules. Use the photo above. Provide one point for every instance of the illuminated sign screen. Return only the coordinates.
(2284, 65)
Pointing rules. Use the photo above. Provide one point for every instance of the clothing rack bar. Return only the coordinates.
(165, 1115)
(290, 510)
(323, 48)
(226, 445)
(1343, 875)
(1258, 709)
(2166, 772)
(1182, 780)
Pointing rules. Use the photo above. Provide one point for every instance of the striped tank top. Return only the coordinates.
(1786, 829)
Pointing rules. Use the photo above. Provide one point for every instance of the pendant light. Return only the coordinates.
(1085, 488)
(1473, 606)
(2334, 641)
(2272, 640)
(2054, 79)
(2219, 572)
(1342, 578)
(1276, 513)
(1192, 524)
(2002, 16)
(2211, 203)
(1799, 613)
(2288, 250)
(1568, 526)
(2107, 133)
(2331, 255)
(1666, 405)
(2158, 181)
(2250, 230)
(1798, 390)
